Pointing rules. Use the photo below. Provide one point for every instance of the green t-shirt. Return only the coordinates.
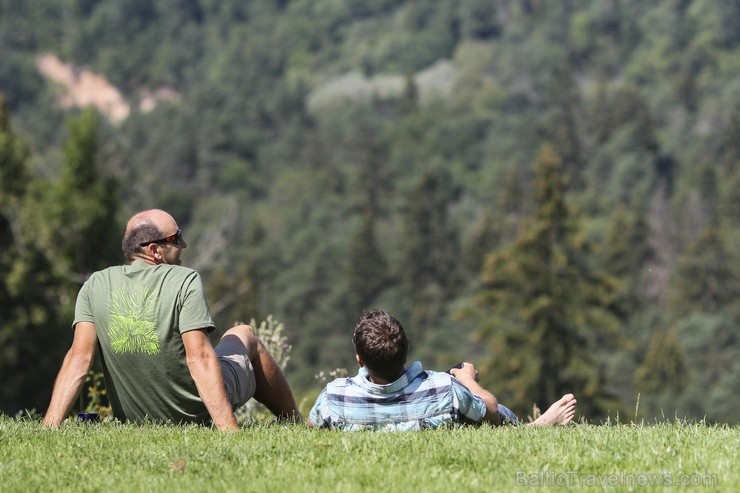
(140, 312)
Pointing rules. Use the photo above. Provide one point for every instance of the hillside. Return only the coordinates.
(329, 156)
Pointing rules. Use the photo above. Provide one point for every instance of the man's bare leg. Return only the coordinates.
(561, 412)
(272, 387)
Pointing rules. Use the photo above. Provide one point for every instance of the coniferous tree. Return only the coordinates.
(705, 279)
(484, 237)
(13, 181)
(72, 221)
(562, 128)
(429, 272)
(13, 155)
(76, 218)
(730, 150)
(365, 268)
(729, 201)
(231, 294)
(626, 252)
(499, 224)
(709, 342)
(30, 296)
(663, 368)
(545, 309)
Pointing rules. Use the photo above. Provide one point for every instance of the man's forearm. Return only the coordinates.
(492, 415)
(67, 387)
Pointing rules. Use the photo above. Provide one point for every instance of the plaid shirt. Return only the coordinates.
(419, 399)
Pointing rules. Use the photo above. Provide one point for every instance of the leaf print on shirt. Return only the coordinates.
(132, 323)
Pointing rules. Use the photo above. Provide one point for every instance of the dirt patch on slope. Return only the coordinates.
(84, 88)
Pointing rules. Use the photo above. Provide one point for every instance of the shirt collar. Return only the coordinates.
(363, 380)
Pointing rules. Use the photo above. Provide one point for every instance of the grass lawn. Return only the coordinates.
(108, 457)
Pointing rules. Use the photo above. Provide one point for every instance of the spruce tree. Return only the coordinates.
(365, 268)
(30, 295)
(429, 272)
(76, 215)
(546, 310)
(626, 252)
(705, 279)
(561, 125)
(663, 368)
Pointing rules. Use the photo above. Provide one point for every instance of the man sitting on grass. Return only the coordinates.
(386, 396)
(150, 321)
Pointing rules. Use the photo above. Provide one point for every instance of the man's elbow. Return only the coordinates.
(197, 361)
(194, 361)
(81, 360)
(492, 415)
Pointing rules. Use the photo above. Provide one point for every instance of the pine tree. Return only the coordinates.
(663, 368)
(705, 279)
(30, 295)
(546, 310)
(729, 201)
(365, 268)
(429, 273)
(76, 214)
(66, 229)
(626, 252)
(561, 126)
(730, 150)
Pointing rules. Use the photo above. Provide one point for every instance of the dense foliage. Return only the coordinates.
(548, 189)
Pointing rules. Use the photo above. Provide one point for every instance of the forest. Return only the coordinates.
(550, 190)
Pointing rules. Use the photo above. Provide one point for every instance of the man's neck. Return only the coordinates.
(144, 258)
(382, 381)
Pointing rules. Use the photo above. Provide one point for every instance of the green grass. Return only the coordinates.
(109, 457)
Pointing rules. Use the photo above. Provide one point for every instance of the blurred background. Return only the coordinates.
(550, 190)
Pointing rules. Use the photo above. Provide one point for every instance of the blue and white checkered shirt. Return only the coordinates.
(419, 399)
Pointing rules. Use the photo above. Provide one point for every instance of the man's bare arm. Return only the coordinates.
(468, 376)
(73, 374)
(206, 371)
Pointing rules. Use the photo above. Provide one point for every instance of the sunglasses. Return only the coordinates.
(175, 239)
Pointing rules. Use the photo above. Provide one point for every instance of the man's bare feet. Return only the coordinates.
(560, 413)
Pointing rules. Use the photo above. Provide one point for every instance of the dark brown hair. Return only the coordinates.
(382, 344)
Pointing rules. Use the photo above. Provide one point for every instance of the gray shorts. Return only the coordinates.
(237, 371)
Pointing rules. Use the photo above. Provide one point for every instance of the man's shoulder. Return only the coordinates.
(134, 272)
(343, 389)
(143, 267)
(443, 380)
(339, 383)
(105, 273)
(435, 378)
(178, 269)
(438, 375)
(168, 270)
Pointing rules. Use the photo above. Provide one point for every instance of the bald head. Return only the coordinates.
(145, 226)
(157, 217)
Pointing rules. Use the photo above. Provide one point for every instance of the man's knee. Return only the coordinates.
(243, 330)
(247, 335)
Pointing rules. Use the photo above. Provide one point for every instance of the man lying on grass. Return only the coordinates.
(386, 396)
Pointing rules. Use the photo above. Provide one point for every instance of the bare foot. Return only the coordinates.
(560, 413)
